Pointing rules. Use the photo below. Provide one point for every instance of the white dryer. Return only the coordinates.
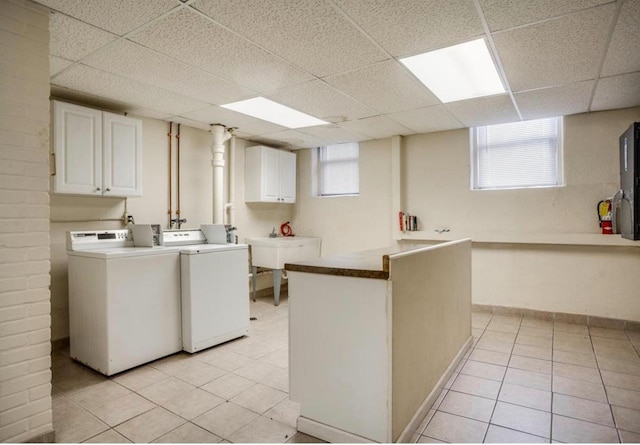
(215, 294)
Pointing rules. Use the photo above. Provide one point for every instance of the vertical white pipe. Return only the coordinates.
(220, 135)
(232, 178)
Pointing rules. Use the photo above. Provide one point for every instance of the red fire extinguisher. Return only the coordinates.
(604, 216)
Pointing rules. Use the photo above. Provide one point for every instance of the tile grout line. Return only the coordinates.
(604, 387)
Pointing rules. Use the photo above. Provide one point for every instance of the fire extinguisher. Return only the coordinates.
(604, 216)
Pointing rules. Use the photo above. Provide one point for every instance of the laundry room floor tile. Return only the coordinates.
(193, 403)
(225, 419)
(500, 392)
(150, 425)
(188, 433)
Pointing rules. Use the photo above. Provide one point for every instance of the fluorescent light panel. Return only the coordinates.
(457, 72)
(271, 111)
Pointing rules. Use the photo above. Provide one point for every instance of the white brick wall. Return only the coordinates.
(25, 310)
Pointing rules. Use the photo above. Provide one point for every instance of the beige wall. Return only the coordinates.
(435, 186)
(348, 223)
(25, 375)
(195, 204)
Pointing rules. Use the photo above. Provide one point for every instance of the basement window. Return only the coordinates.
(337, 170)
(517, 155)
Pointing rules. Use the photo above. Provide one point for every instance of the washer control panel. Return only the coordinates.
(183, 237)
(98, 239)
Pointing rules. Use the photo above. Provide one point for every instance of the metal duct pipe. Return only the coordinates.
(220, 135)
(229, 206)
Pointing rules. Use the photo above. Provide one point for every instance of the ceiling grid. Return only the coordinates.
(337, 60)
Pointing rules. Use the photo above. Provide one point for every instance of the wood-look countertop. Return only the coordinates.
(367, 264)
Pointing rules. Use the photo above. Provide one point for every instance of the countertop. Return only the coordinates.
(366, 264)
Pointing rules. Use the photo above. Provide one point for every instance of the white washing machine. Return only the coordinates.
(132, 305)
(215, 294)
(124, 301)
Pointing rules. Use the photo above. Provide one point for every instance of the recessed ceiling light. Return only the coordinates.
(271, 111)
(457, 72)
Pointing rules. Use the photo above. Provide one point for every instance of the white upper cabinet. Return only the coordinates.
(96, 153)
(270, 175)
(122, 155)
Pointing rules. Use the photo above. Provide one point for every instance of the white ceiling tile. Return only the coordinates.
(555, 52)
(484, 110)
(621, 91)
(247, 124)
(93, 81)
(504, 14)
(196, 40)
(57, 64)
(427, 119)
(131, 60)
(308, 33)
(623, 55)
(386, 87)
(410, 27)
(73, 96)
(333, 134)
(116, 16)
(321, 100)
(65, 94)
(296, 139)
(555, 101)
(376, 127)
(188, 122)
(145, 112)
(72, 39)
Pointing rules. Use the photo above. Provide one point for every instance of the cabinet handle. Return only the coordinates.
(108, 190)
(98, 189)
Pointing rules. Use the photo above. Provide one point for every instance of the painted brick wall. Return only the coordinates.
(25, 310)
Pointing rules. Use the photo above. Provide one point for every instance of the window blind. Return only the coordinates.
(517, 155)
(338, 169)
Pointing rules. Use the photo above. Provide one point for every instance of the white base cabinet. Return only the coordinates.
(96, 153)
(270, 175)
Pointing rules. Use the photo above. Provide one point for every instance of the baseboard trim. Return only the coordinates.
(48, 437)
(328, 433)
(589, 320)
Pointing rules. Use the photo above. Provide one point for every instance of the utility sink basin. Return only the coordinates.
(273, 253)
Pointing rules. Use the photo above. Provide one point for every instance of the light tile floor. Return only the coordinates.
(235, 392)
(525, 380)
(531, 380)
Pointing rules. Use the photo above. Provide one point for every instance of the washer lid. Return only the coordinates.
(209, 248)
(124, 252)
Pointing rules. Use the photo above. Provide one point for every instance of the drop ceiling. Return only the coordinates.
(337, 60)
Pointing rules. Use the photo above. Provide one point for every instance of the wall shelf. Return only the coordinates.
(566, 239)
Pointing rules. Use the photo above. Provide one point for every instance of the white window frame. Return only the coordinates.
(475, 162)
(319, 164)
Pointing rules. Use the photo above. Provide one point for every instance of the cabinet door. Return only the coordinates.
(270, 175)
(77, 145)
(287, 177)
(122, 160)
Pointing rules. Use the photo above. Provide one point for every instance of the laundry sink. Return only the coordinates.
(273, 253)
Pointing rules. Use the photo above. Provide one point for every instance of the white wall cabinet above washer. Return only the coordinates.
(270, 175)
(96, 153)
